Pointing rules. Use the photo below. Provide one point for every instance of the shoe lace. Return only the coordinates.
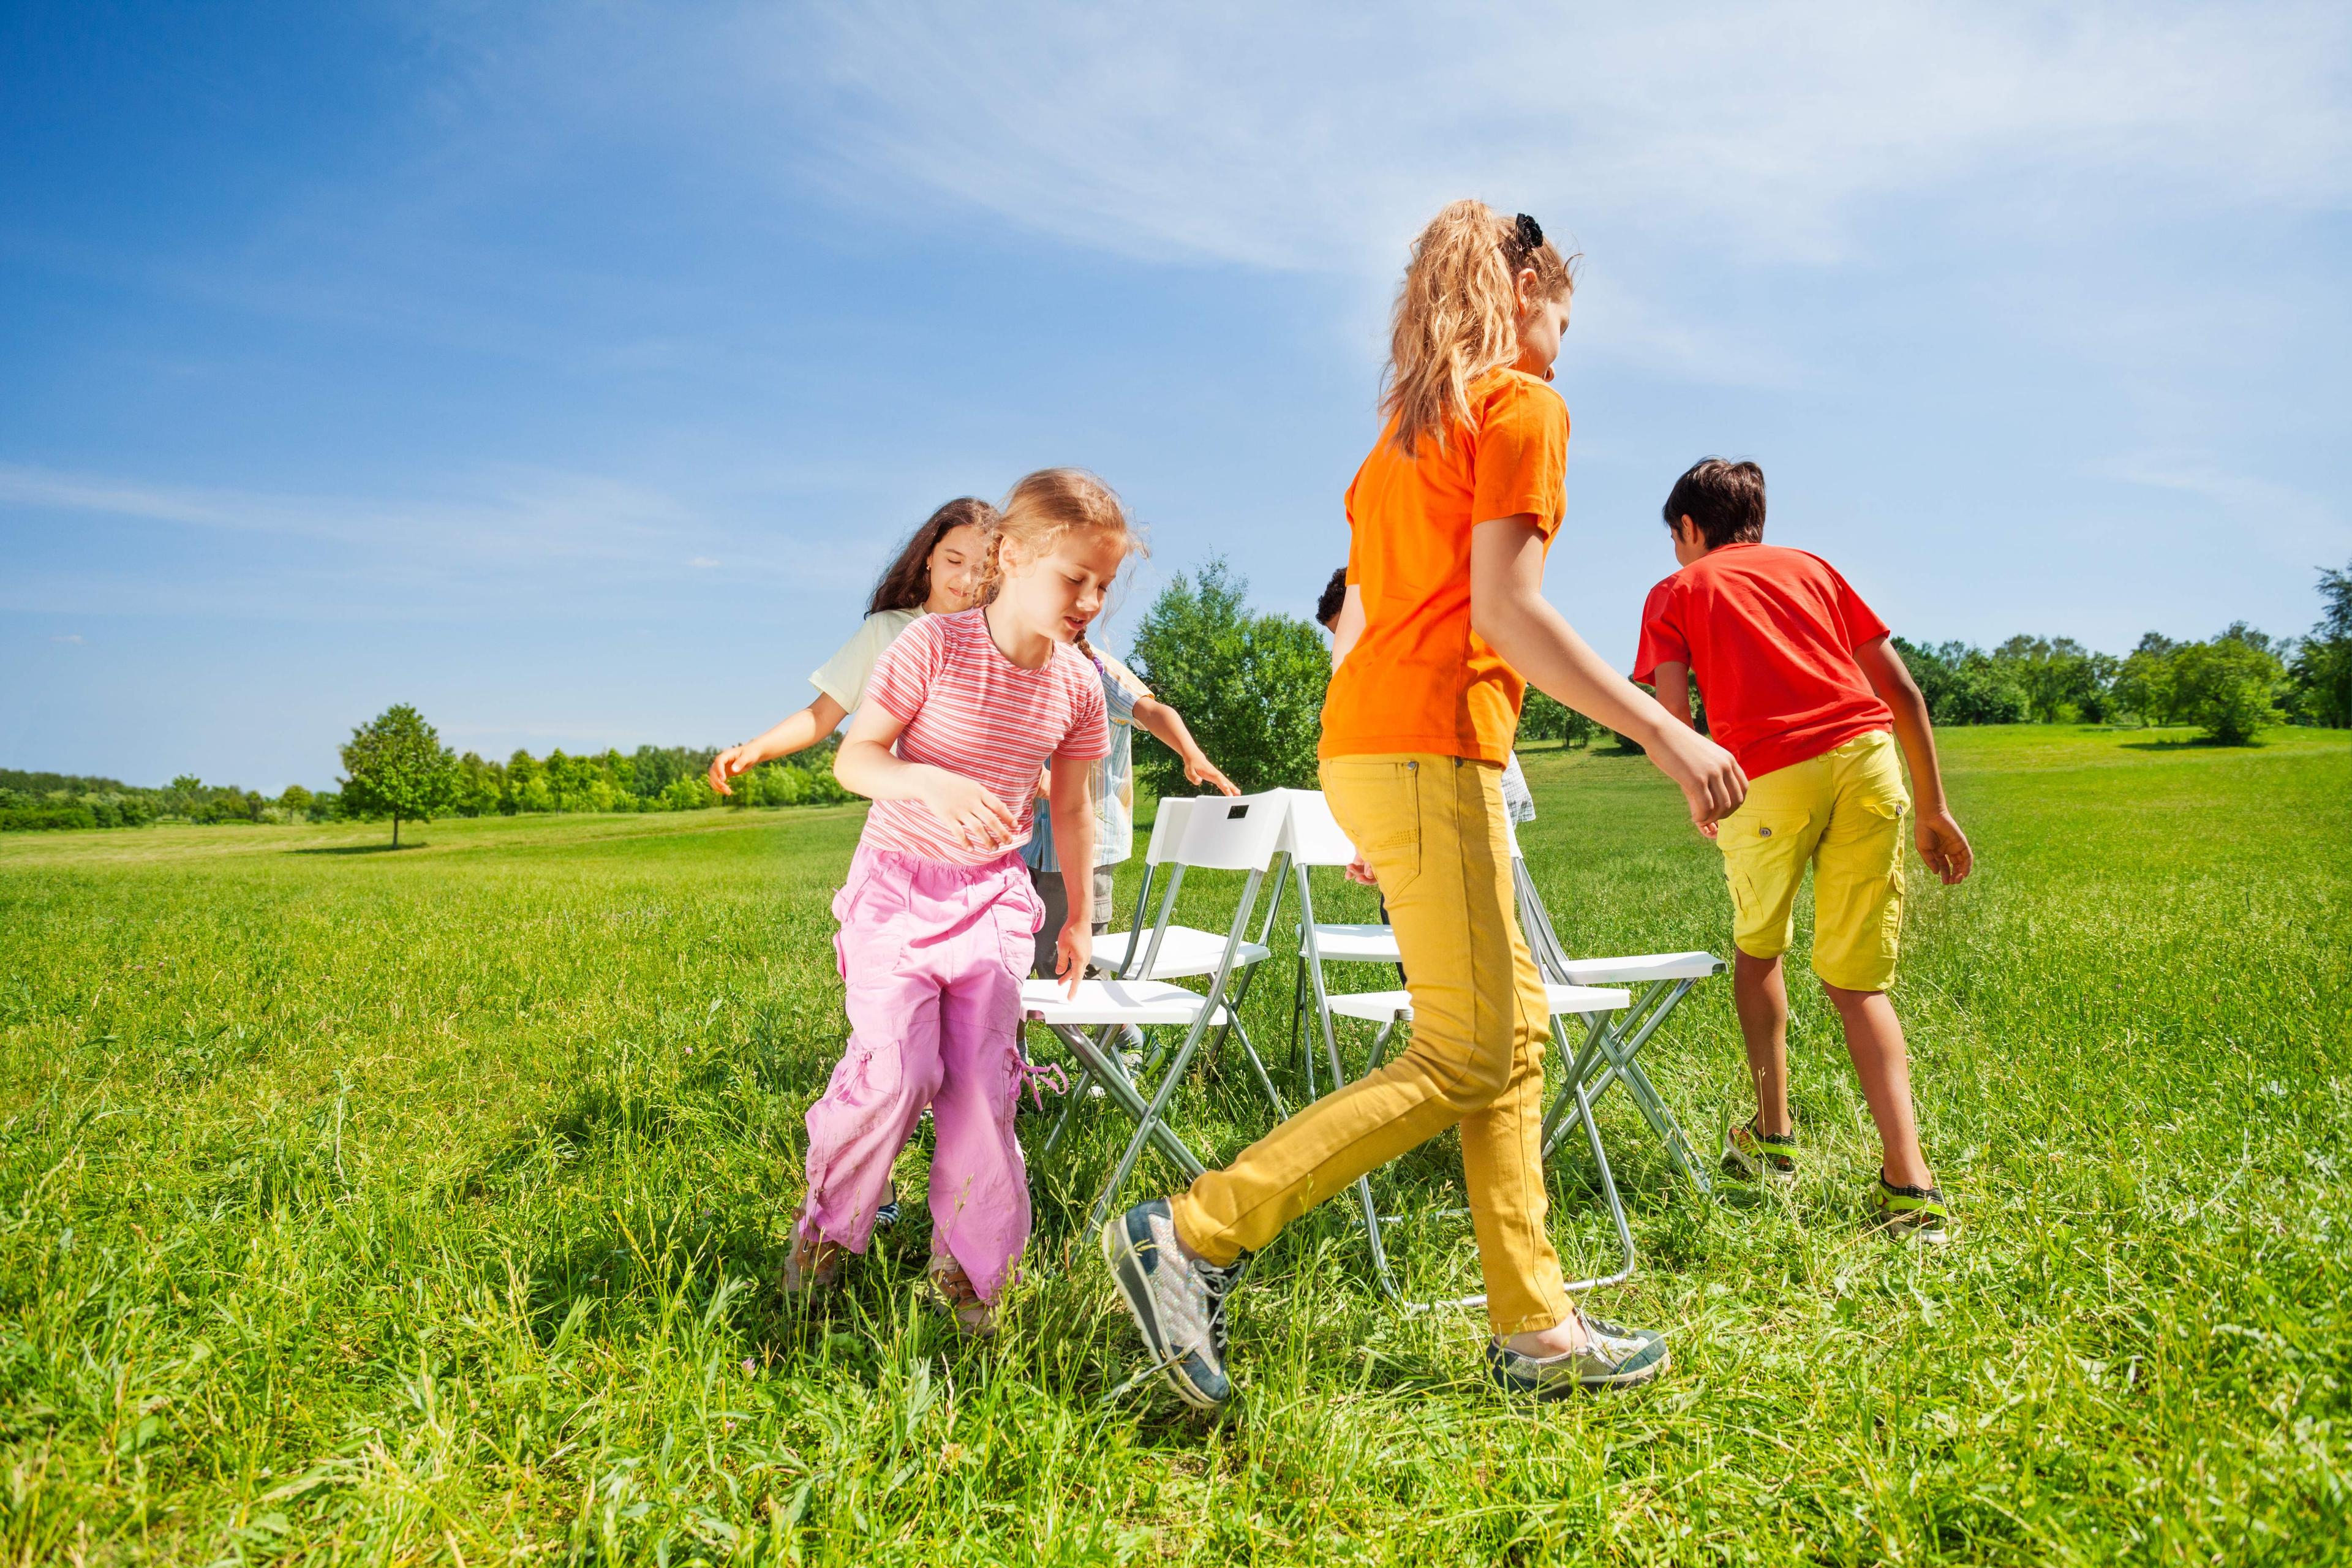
(1217, 1284)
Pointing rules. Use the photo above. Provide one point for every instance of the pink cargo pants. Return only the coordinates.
(933, 956)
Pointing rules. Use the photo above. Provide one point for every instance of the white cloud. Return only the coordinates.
(1316, 138)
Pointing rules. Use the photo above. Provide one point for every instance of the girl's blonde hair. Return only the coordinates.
(1039, 510)
(1458, 314)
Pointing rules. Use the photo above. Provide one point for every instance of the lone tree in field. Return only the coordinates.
(399, 769)
(1249, 684)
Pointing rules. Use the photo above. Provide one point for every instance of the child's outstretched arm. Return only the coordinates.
(1941, 843)
(1158, 718)
(1074, 845)
(1508, 608)
(866, 765)
(797, 733)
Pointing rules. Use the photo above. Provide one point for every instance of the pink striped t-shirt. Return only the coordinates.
(971, 710)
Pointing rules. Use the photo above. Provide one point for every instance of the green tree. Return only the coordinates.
(2322, 668)
(397, 767)
(2145, 686)
(2228, 687)
(1542, 718)
(1250, 685)
(2062, 679)
(1963, 685)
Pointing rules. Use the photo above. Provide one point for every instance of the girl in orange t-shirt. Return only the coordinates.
(1450, 517)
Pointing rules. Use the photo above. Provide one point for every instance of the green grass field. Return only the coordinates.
(430, 1206)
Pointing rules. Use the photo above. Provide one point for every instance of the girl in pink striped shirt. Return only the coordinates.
(938, 918)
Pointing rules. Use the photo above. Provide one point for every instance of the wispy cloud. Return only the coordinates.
(515, 540)
(1312, 138)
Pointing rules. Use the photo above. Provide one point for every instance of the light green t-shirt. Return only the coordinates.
(844, 676)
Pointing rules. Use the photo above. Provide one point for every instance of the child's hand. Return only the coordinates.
(1706, 830)
(1712, 785)
(1360, 871)
(1944, 846)
(1070, 954)
(729, 764)
(969, 810)
(1199, 770)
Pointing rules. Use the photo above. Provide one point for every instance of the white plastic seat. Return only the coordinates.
(1185, 952)
(1143, 1002)
(1396, 1006)
(1346, 942)
(1640, 970)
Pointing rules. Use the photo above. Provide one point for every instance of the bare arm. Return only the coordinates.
(1074, 847)
(1942, 845)
(1674, 690)
(866, 765)
(1159, 720)
(1508, 610)
(797, 733)
(1348, 625)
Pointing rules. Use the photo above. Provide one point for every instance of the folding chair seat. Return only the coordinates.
(1316, 839)
(1241, 834)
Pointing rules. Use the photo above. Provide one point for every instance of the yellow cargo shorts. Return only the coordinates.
(1841, 813)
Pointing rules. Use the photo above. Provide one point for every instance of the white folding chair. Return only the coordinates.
(1238, 834)
(1314, 837)
(1162, 949)
(1613, 1041)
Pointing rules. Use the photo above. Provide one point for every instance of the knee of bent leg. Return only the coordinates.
(1475, 1078)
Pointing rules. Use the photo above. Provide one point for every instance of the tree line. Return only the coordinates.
(1250, 684)
(396, 767)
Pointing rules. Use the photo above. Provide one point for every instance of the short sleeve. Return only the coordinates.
(1860, 622)
(1661, 640)
(1520, 463)
(843, 676)
(907, 669)
(1136, 690)
(1089, 737)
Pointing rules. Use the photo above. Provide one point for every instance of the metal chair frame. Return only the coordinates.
(1243, 833)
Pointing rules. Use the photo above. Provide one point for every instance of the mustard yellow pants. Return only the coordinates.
(1432, 829)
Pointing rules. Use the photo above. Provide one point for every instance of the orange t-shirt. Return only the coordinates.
(1420, 679)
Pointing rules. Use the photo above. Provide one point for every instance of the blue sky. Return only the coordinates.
(568, 371)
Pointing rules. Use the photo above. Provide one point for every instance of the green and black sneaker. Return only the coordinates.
(1755, 1155)
(1913, 1213)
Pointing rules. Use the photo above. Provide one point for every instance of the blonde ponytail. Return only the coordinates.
(1458, 314)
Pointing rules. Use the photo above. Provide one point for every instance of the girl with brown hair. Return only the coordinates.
(936, 573)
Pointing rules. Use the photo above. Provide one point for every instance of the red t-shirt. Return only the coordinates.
(1769, 635)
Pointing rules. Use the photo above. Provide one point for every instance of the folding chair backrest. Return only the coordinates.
(1241, 833)
(1313, 836)
(1168, 828)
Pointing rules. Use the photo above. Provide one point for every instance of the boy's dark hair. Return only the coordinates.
(1335, 593)
(1724, 501)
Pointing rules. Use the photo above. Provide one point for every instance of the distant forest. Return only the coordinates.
(1231, 670)
(651, 778)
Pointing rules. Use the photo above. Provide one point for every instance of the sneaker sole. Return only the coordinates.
(1127, 1272)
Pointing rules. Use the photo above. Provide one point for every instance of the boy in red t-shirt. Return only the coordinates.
(1803, 686)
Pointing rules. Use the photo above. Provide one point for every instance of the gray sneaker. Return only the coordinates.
(1178, 1305)
(1613, 1356)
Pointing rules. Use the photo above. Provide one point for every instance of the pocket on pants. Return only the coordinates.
(1378, 804)
(1018, 915)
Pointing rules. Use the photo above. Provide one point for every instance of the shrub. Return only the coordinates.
(2227, 688)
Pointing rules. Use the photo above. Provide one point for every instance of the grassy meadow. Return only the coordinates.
(430, 1206)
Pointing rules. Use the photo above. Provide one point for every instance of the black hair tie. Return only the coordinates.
(1531, 233)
